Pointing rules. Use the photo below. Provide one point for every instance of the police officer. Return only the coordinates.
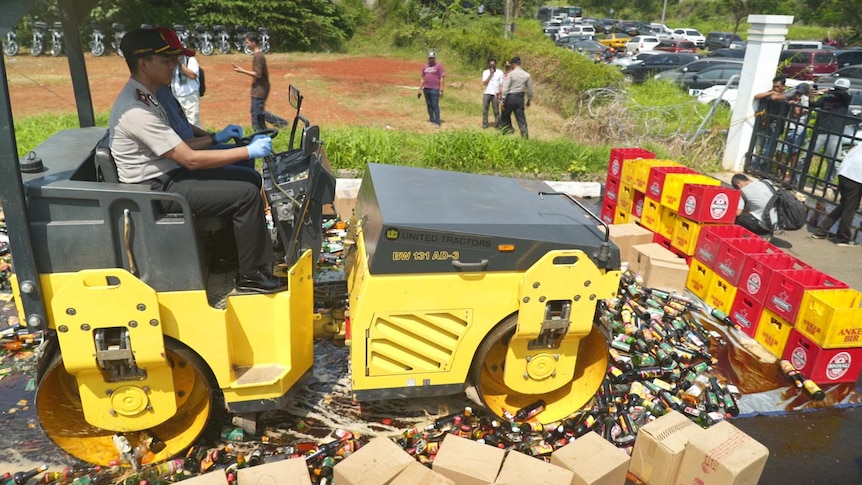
(517, 86)
(147, 151)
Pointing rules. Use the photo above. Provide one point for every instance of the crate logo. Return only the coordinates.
(655, 188)
(799, 357)
(639, 208)
(780, 302)
(753, 284)
(838, 365)
(741, 318)
(690, 205)
(612, 195)
(392, 234)
(719, 206)
(615, 166)
(727, 269)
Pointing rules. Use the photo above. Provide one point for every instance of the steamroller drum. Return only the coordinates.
(487, 376)
(62, 418)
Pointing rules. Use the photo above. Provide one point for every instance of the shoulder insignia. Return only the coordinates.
(142, 97)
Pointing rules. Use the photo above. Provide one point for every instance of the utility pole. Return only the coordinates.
(507, 27)
(663, 11)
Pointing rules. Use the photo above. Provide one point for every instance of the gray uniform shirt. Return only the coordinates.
(140, 135)
(518, 81)
(757, 196)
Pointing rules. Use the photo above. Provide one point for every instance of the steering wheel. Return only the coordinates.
(241, 142)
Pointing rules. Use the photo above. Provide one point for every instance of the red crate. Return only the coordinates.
(758, 269)
(638, 204)
(620, 155)
(709, 203)
(823, 366)
(657, 176)
(746, 311)
(609, 211)
(710, 237)
(731, 256)
(659, 239)
(612, 189)
(785, 292)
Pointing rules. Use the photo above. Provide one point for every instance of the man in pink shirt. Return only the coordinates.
(432, 86)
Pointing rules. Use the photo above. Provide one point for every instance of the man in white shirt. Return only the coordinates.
(492, 80)
(186, 88)
(850, 189)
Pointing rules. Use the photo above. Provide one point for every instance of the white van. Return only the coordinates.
(802, 44)
(582, 29)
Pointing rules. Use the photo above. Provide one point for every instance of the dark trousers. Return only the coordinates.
(752, 223)
(231, 192)
(514, 104)
(432, 102)
(490, 99)
(851, 193)
(260, 116)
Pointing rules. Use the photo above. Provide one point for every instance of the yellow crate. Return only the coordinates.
(625, 196)
(622, 216)
(671, 193)
(773, 332)
(627, 176)
(642, 170)
(667, 221)
(699, 278)
(651, 215)
(831, 318)
(720, 294)
(685, 234)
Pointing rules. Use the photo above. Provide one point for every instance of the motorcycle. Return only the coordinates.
(222, 39)
(239, 33)
(97, 41)
(204, 40)
(37, 47)
(185, 36)
(119, 33)
(10, 44)
(264, 39)
(57, 39)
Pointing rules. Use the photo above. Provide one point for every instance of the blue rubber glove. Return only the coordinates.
(260, 146)
(231, 131)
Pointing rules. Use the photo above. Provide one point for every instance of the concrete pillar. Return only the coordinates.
(765, 38)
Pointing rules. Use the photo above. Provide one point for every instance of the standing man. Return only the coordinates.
(150, 153)
(774, 110)
(830, 122)
(186, 88)
(517, 94)
(850, 188)
(492, 79)
(259, 86)
(432, 87)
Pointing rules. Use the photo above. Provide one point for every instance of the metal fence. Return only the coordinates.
(802, 149)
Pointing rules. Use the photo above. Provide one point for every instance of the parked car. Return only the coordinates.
(728, 53)
(635, 59)
(719, 75)
(848, 57)
(677, 74)
(642, 71)
(851, 73)
(568, 40)
(588, 47)
(802, 44)
(737, 44)
(807, 64)
(642, 43)
(552, 28)
(661, 30)
(719, 40)
(626, 27)
(689, 34)
(617, 40)
(582, 29)
(675, 45)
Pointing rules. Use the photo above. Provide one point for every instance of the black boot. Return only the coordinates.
(260, 280)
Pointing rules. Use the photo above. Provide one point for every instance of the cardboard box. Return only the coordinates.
(627, 235)
(660, 446)
(346, 191)
(723, 455)
(467, 462)
(285, 472)
(215, 477)
(418, 474)
(641, 253)
(519, 469)
(592, 460)
(378, 462)
(665, 275)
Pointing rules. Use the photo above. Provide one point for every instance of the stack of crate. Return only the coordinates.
(796, 312)
(672, 201)
(614, 210)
